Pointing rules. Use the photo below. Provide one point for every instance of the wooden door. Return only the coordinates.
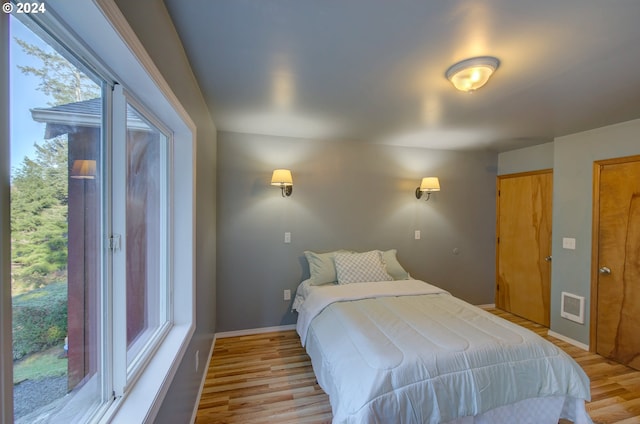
(523, 245)
(616, 262)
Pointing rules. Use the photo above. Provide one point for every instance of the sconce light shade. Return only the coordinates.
(83, 169)
(282, 178)
(471, 74)
(428, 185)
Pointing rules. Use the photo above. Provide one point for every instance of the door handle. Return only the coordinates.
(548, 258)
(605, 270)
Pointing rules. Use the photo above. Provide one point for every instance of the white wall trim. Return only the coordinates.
(252, 331)
(202, 381)
(568, 340)
(113, 14)
(487, 306)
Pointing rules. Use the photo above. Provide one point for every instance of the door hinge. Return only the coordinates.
(114, 242)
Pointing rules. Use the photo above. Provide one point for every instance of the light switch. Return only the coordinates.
(416, 234)
(569, 243)
(287, 237)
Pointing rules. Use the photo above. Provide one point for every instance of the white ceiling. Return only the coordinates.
(373, 70)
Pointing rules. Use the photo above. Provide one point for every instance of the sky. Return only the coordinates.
(24, 95)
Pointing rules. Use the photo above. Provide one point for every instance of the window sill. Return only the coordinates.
(143, 400)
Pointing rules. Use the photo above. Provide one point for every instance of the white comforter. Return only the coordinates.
(409, 352)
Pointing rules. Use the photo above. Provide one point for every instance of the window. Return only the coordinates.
(114, 166)
(56, 236)
(146, 228)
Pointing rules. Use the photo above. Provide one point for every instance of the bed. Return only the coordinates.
(399, 350)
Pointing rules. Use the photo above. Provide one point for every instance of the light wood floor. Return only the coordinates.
(267, 378)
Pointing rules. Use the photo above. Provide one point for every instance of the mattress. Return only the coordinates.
(409, 352)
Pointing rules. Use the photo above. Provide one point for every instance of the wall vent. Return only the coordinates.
(572, 307)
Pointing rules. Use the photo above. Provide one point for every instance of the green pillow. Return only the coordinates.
(392, 265)
(322, 268)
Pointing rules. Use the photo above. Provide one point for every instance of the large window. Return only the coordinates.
(101, 224)
(56, 141)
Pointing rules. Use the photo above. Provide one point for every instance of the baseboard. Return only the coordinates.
(487, 306)
(568, 340)
(252, 331)
(202, 381)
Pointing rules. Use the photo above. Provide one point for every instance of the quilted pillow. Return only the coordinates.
(392, 266)
(322, 268)
(360, 267)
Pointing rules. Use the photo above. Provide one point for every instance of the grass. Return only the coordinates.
(40, 365)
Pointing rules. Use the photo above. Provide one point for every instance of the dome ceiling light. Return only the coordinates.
(471, 74)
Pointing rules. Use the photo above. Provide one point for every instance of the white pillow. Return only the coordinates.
(360, 267)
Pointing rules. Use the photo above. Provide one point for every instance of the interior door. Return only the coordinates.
(616, 272)
(523, 256)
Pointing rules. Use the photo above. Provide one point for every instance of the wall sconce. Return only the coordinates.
(283, 179)
(83, 169)
(428, 185)
(471, 74)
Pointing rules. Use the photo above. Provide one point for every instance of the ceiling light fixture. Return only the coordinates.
(471, 74)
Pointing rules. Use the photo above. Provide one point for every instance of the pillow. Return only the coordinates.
(392, 266)
(322, 268)
(360, 267)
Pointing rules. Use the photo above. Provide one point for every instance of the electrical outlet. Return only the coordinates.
(287, 237)
(287, 295)
(416, 234)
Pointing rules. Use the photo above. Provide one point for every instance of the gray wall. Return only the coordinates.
(153, 26)
(346, 195)
(573, 158)
(528, 159)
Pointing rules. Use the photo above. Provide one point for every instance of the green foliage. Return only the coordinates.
(39, 197)
(39, 319)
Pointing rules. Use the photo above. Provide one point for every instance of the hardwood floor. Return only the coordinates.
(264, 378)
(267, 378)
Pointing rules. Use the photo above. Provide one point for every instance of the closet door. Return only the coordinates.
(523, 244)
(616, 262)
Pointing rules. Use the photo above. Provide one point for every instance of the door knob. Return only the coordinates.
(548, 258)
(605, 271)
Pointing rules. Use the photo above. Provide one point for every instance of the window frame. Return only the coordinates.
(98, 33)
(128, 373)
(6, 364)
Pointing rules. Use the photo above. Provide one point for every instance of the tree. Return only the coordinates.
(39, 190)
(39, 198)
(59, 78)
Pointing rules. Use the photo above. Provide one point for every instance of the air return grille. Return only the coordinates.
(572, 307)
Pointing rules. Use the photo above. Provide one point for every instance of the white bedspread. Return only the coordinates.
(321, 296)
(419, 355)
